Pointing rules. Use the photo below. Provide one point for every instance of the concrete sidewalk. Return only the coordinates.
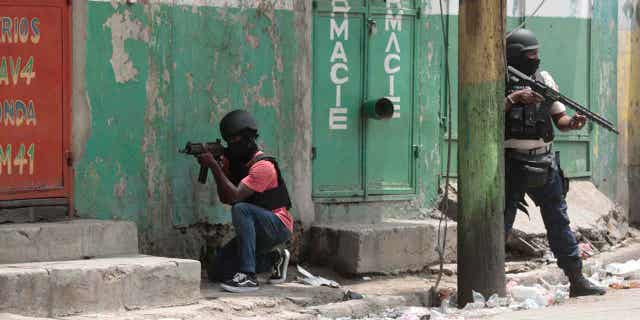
(293, 300)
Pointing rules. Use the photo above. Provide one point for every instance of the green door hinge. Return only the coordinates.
(314, 4)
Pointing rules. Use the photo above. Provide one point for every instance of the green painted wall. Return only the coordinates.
(604, 94)
(159, 75)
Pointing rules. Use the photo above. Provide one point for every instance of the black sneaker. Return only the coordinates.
(279, 274)
(241, 282)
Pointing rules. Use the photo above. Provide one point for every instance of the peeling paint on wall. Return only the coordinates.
(176, 72)
(245, 4)
(120, 188)
(123, 29)
(301, 168)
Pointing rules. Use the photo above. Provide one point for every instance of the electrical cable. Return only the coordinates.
(527, 18)
(442, 233)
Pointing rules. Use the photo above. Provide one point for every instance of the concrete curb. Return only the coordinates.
(9, 316)
(62, 288)
(68, 240)
(357, 308)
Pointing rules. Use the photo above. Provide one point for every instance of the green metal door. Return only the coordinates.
(390, 151)
(565, 54)
(337, 95)
(363, 50)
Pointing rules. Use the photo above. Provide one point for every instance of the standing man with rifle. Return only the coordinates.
(530, 165)
(252, 184)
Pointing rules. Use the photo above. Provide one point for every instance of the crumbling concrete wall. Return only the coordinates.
(151, 75)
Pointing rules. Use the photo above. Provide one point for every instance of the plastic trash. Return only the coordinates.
(535, 293)
(478, 297)
(444, 306)
(473, 306)
(414, 313)
(614, 281)
(524, 305)
(496, 301)
(530, 304)
(628, 270)
(435, 315)
(511, 284)
(560, 295)
(316, 281)
(632, 284)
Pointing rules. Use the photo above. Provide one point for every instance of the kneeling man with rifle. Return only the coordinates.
(251, 182)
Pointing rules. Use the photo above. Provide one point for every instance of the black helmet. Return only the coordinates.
(237, 122)
(519, 41)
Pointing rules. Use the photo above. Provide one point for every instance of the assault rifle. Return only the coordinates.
(197, 148)
(553, 95)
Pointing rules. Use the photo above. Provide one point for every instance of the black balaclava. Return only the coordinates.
(244, 149)
(525, 65)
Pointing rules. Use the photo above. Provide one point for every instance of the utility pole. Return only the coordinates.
(480, 149)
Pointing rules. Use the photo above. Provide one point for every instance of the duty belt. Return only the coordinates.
(533, 152)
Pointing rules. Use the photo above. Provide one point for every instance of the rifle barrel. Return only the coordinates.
(590, 115)
(603, 122)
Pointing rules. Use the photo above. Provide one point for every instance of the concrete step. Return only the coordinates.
(68, 240)
(106, 284)
(386, 247)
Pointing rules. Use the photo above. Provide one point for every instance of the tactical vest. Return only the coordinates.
(270, 199)
(526, 122)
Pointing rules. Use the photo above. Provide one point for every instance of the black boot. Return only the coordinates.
(580, 286)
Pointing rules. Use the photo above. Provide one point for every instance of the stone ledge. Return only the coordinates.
(357, 308)
(387, 247)
(68, 240)
(97, 285)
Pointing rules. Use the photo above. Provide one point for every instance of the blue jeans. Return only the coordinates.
(258, 231)
(550, 198)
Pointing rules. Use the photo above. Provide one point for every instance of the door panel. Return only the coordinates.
(337, 96)
(565, 54)
(390, 159)
(34, 102)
